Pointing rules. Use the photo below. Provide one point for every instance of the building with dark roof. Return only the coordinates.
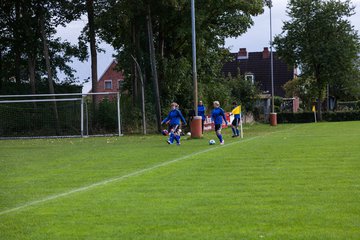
(256, 67)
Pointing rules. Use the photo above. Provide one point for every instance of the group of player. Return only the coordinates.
(175, 117)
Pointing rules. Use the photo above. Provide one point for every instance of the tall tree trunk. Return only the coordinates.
(49, 71)
(319, 106)
(320, 88)
(161, 50)
(93, 53)
(153, 69)
(162, 40)
(134, 68)
(1, 72)
(17, 43)
(31, 68)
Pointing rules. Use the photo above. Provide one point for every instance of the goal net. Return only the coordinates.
(59, 115)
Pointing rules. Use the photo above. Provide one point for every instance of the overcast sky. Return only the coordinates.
(257, 37)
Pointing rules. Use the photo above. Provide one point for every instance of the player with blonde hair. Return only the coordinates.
(218, 115)
(173, 119)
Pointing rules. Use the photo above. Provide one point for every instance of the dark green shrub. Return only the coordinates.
(307, 117)
(304, 117)
(341, 116)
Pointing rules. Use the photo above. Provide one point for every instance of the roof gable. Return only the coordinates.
(111, 73)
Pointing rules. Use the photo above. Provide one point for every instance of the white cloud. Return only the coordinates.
(258, 36)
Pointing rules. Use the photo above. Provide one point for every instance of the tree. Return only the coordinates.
(154, 68)
(123, 24)
(93, 52)
(244, 92)
(304, 88)
(27, 25)
(320, 40)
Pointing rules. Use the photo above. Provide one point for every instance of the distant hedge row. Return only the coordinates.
(307, 117)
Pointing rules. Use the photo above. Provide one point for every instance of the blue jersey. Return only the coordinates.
(201, 111)
(174, 116)
(218, 115)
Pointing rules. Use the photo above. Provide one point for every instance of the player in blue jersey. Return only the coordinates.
(173, 119)
(236, 121)
(218, 115)
(201, 112)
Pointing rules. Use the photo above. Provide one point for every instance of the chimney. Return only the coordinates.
(266, 53)
(242, 54)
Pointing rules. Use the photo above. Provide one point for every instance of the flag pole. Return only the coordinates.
(314, 111)
(241, 126)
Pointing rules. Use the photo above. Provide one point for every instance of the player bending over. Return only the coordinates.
(235, 123)
(173, 119)
(217, 115)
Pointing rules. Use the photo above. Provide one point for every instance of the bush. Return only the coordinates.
(307, 117)
(341, 116)
(304, 117)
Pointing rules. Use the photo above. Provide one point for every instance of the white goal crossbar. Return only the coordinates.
(42, 100)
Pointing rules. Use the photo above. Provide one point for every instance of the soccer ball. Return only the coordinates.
(189, 134)
(212, 142)
(165, 132)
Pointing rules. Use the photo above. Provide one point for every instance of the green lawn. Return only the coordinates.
(284, 182)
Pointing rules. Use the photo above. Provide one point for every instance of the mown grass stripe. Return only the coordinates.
(133, 174)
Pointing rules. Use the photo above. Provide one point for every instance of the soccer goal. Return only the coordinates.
(60, 115)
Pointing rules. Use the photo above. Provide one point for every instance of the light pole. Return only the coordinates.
(271, 61)
(196, 123)
(273, 117)
(194, 55)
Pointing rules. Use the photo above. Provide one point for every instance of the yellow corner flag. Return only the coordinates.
(236, 110)
(313, 108)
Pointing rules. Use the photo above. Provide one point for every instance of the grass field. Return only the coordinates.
(284, 182)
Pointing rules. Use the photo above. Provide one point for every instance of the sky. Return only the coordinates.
(255, 39)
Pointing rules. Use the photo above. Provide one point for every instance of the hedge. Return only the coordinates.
(341, 116)
(307, 117)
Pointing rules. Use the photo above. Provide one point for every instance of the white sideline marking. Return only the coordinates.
(120, 178)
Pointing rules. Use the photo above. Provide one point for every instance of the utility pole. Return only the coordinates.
(194, 56)
(271, 62)
(195, 126)
(273, 116)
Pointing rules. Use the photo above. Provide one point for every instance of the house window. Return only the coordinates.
(108, 84)
(250, 77)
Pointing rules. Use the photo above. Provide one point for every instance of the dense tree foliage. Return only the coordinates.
(320, 40)
(304, 88)
(153, 33)
(26, 28)
(123, 25)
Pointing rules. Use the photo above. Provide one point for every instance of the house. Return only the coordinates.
(111, 80)
(256, 66)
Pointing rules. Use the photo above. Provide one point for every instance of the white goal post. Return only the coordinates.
(59, 115)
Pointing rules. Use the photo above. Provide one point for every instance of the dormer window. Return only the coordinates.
(250, 77)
